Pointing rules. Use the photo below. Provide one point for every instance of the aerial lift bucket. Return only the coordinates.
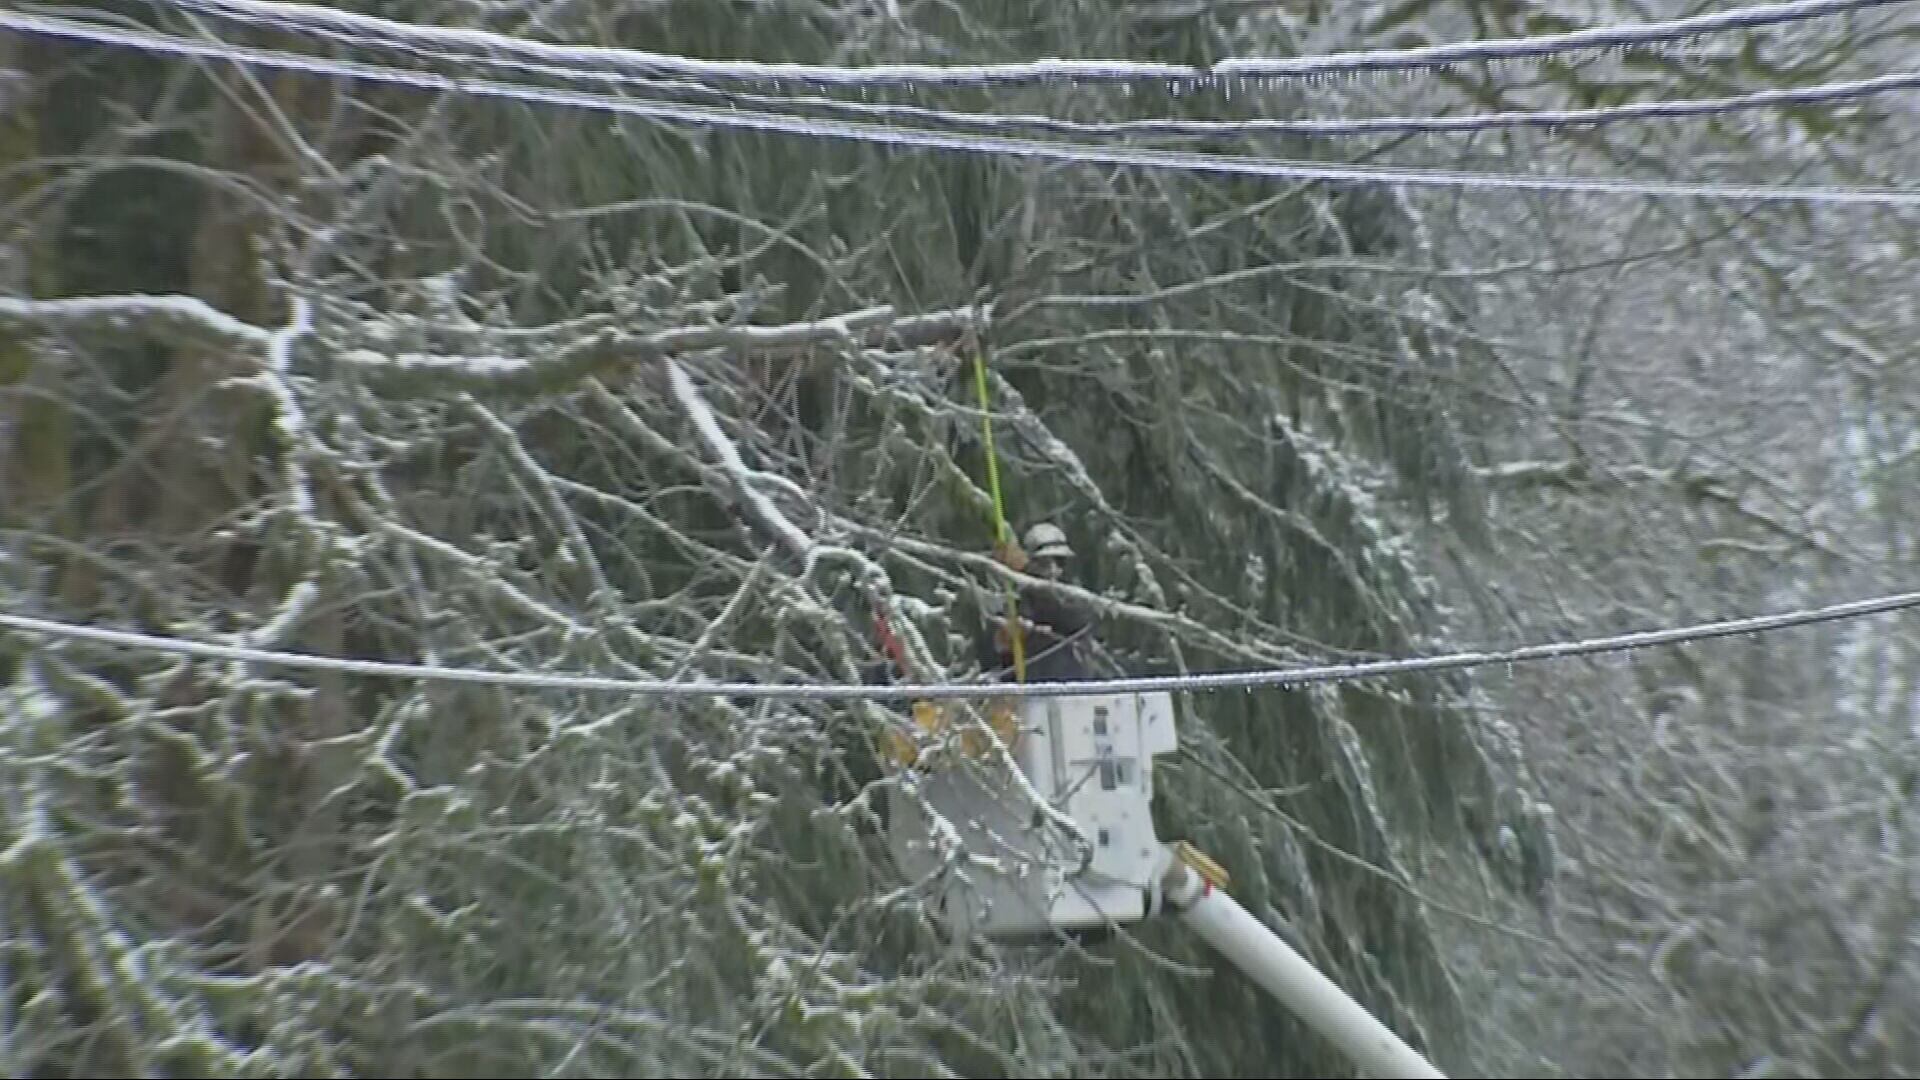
(1037, 821)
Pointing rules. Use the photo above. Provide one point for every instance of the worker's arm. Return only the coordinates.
(990, 645)
(1063, 617)
(987, 649)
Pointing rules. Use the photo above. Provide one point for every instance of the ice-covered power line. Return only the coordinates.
(1225, 680)
(1820, 94)
(1091, 71)
(1548, 119)
(898, 136)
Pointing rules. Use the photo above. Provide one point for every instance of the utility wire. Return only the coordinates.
(1549, 119)
(889, 135)
(1223, 680)
(1821, 94)
(636, 61)
(1027, 123)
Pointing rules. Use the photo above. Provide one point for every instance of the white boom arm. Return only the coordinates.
(1063, 839)
(1265, 958)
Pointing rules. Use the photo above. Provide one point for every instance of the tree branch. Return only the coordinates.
(176, 320)
(1573, 474)
(612, 347)
(189, 321)
(738, 475)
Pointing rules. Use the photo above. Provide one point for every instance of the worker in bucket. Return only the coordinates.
(1056, 631)
(1055, 636)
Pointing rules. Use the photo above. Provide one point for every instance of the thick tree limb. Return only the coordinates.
(188, 321)
(597, 354)
(175, 320)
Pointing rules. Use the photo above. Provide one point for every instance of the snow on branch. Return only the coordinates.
(613, 346)
(1566, 474)
(173, 319)
(189, 321)
(1696, 486)
(723, 449)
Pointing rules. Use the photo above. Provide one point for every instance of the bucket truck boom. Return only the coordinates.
(1052, 832)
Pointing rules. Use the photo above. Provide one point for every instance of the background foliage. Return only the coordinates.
(492, 399)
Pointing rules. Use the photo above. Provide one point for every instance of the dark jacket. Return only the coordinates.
(1057, 637)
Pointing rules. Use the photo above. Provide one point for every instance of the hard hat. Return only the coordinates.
(1046, 539)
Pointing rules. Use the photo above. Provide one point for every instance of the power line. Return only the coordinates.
(1224, 680)
(1047, 70)
(890, 135)
(1821, 94)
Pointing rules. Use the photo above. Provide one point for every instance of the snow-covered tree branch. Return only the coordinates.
(297, 362)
